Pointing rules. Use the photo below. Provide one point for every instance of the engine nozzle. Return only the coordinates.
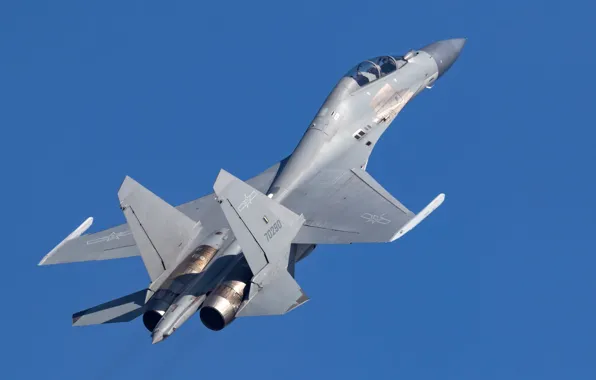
(220, 308)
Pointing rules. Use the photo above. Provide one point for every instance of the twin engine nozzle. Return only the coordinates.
(183, 293)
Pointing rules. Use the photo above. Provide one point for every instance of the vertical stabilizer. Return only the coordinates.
(159, 230)
(265, 230)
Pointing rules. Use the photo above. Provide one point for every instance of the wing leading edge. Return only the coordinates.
(113, 243)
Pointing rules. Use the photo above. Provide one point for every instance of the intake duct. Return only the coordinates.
(219, 309)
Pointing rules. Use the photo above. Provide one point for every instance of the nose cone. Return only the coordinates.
(445, 52)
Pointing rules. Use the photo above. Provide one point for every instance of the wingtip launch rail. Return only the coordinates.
(432, 206)
(73, 235)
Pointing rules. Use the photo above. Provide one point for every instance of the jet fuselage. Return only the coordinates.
(343, 134)
(351, 120)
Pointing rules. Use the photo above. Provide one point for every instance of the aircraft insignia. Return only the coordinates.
(110, 237)
(247, 201)
(372, 218)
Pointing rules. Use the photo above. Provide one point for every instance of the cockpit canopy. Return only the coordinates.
(372, 69)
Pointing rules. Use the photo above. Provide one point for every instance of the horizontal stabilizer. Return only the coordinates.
(273, 292)
(159, 230)
(123, 309)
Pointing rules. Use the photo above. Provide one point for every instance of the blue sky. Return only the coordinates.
(497, 284)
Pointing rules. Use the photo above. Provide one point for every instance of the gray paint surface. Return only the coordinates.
(320, 194)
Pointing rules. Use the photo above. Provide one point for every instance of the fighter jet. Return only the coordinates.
(233, 253)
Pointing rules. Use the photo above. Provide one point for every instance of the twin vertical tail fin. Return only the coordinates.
(265, 230)
(160, 232)
(159, 229)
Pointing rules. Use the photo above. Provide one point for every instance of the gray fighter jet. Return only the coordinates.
(232, 253)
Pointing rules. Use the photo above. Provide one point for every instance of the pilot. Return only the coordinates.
(360, 79)
(387, 65)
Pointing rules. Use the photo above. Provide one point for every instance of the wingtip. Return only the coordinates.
(41, 263)
(81, 229)
(432, 206)
(73, 235)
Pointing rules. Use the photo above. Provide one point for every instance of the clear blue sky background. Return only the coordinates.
(498, 284)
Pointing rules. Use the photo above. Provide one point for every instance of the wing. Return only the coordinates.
(113, 243)
(118, 242)
(349, 206)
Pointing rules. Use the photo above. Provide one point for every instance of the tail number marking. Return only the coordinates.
(274, 229)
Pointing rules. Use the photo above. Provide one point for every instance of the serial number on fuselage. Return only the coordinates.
(274, 229)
